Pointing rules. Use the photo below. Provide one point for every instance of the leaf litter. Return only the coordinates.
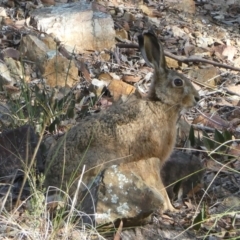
(201, 40)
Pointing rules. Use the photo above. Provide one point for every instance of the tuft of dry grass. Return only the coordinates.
(43, 217)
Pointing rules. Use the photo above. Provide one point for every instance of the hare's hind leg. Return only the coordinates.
(148, 170)
(167, 205)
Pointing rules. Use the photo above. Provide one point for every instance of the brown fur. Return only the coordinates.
(130, 130)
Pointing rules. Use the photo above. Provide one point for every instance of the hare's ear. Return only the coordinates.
(152, 51)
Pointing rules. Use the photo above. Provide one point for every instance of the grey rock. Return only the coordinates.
(76, 25)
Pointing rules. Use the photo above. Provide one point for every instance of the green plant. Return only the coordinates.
(39, 106)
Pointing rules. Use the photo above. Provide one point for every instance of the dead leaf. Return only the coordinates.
(84, 70)
(235, 114)
(48, 2)
(125, 25)
(189, 49)
(237, 62)
(105, 56)
(10, 3)
(118, 88)
(187, 6)
(8, 21)
(130, 78)
(229, 52)
(105, 77)
(209, 76)
(208, 7)
(215, 166)
(10, 89)
(129, 17)
(234, 88)
(172, 63)
(98, 7)
(234, 150)
(236, 164)
(105, 103)
(213, 121)
(189, 204)
(3, 12)
(146, 10)
(223, 51)
(11, 53)
(20, 24)
(64, 52)
(122, 34)
(196, 189)
(178, 32)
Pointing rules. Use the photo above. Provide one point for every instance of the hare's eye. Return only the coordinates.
(178, 82)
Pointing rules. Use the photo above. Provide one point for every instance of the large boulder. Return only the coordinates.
(129, 191)
(78, 26)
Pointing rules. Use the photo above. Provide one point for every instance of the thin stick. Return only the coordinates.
(182, 59)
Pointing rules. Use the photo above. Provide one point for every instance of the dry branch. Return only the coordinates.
(182, 59)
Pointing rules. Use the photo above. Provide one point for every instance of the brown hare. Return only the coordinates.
(130, 130)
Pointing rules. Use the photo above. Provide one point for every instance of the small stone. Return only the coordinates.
(5, 77)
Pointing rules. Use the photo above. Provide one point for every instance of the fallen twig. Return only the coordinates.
(182, 59)
(203, 128)
(199, 59)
